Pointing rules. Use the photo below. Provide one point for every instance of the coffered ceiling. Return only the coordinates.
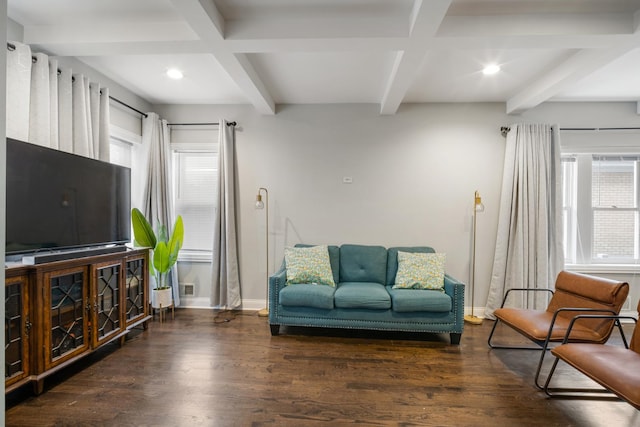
(387, 52)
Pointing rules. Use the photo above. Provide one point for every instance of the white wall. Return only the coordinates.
(414, 174)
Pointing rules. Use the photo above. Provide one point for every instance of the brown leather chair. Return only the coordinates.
(614, 367)
(574, 294)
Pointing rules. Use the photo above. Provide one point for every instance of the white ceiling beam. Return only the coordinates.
(333, 26)
(122, 48)
(114, 32)
(562, 24)
(571, 71)
(128, 39)
(132, 46)
(207, 22)
(426, 17)
(334, 44)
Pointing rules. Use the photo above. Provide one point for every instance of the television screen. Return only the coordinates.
(57, 200)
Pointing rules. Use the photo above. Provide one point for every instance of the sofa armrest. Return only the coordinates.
(277, 281)
(455, 289)
(450, 285)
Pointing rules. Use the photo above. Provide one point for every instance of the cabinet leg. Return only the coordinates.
(38, 386)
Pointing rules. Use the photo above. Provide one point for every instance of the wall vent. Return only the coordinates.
(188, 289)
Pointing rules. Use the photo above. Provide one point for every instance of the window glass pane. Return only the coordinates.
(613, 182)
(614, 204)
(614, 235)
(569, 184)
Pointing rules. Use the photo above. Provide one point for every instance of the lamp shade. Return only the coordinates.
(478, 206)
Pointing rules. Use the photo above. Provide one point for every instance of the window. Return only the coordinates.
(601, 215)
(120, 152)
(195, 175)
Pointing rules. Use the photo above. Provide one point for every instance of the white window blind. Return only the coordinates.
(196, 185)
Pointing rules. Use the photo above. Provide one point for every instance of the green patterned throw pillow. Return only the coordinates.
(308, 265)
(420, 271)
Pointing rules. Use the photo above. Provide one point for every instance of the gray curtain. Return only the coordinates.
(529, 250)
(157, 200)
(225, 292)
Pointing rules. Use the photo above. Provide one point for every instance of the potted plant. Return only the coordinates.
(164, 253)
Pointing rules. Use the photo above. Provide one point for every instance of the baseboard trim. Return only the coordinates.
(205, 303)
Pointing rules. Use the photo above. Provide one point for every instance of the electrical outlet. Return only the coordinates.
(347, 180)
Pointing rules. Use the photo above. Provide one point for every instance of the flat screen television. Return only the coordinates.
(59, 201)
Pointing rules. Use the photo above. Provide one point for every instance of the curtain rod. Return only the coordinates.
(12, 47)
(504, 130)
(128, 106)
(201, 124)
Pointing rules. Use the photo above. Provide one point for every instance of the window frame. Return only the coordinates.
(579, 239)
(190, 254)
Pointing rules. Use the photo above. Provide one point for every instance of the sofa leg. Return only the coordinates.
(455, 339)
(275, 330)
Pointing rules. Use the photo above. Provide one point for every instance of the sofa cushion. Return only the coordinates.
(334, 259)
(307, 295)
(412, 300)
(392, 259)
(308, 265)
(420, 271)
(362, 295)
(360, 263)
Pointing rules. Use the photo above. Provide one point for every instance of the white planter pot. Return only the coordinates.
(161, 298)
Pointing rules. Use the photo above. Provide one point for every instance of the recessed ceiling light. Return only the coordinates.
(490, 69)
(174, 73)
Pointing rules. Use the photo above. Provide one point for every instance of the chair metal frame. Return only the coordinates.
(544, 344)
(585, 393)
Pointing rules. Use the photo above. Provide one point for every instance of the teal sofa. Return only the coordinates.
(364, 298)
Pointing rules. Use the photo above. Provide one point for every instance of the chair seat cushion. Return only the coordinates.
(307, 295)
(534, 324)
(362, 295)
(412, 300)
(615, 368)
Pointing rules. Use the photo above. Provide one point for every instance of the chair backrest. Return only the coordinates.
(584, 291)
(635, 339)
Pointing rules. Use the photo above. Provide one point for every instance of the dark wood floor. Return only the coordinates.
(203, 369)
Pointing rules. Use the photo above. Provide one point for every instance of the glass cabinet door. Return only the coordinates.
(68, 315)
(16, 328)
(107, 306)
(135, 289)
